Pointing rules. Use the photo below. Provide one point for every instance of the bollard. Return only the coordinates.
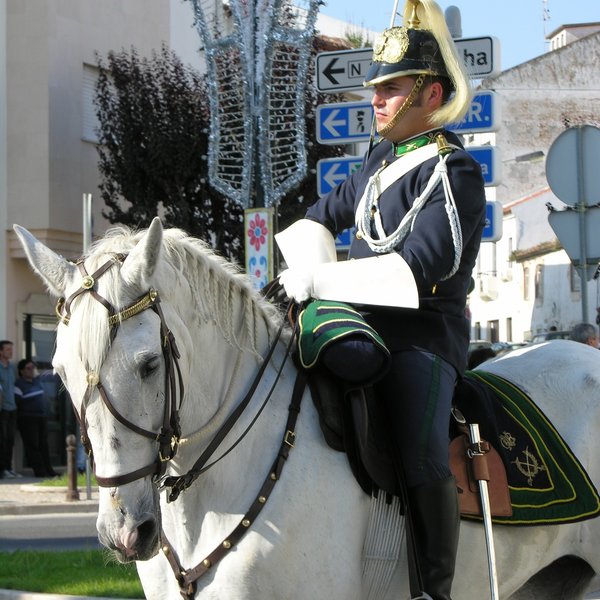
(72, 491)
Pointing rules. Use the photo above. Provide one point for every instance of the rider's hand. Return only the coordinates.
(298, 283)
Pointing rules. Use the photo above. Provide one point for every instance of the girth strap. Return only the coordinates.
(187, 578)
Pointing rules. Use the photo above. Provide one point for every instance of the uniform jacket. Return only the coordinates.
(439, 324)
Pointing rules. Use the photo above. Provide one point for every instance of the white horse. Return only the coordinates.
(307, 541)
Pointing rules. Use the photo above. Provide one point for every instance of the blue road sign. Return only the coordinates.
(344, 122)
(487, 157)
(481, 117)
(332, 171)
(492, 230)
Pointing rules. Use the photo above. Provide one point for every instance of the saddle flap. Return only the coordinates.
(468, 487)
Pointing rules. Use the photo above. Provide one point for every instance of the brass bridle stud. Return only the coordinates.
(227, 544)
(92, 378)
(206, 563)
(246, 522)
(87, 282)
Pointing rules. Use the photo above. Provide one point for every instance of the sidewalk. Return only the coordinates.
(21, 496)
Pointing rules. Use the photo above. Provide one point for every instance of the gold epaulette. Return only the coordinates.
(442, 144)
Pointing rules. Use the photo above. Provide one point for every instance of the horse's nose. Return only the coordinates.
(138, 543)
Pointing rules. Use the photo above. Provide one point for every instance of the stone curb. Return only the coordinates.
(77, 506)
(19, 595)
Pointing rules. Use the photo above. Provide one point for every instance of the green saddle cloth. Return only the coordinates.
(547, 483)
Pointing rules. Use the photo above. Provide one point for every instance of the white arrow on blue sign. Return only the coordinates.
(492, 230)
(344, 122)
(482, 115)
(332, 171)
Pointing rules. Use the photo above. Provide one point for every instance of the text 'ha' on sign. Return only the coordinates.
(342, 71)
(344, 122)
(480, 55)
(488, 158)
(481, 117)
(332, 171)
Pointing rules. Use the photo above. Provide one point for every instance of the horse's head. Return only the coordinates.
(143, 317)
(118, 359)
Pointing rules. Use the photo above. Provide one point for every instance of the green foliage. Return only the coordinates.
(154, 124)
(153, 115)
(77, 573)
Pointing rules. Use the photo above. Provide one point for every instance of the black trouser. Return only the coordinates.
(417, 394)
(8, 427)
(34, 432)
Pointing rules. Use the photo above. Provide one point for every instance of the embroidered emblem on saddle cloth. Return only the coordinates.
(337, 336)
(547, 483)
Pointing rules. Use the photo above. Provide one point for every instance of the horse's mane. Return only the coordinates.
(192, 272)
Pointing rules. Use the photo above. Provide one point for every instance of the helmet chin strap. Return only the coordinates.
(387, 128)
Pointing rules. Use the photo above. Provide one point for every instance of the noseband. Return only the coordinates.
(169, 435)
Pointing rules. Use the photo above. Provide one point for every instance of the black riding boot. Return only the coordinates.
(436, 521)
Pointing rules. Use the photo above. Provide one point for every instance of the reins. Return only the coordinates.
(188, 578)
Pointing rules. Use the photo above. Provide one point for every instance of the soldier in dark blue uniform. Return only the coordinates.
(428, 213)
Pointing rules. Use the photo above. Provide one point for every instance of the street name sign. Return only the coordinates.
(492, 230)
(332, 171)
(480, 55)
(343, 70)
(481, 117)
(344, 122)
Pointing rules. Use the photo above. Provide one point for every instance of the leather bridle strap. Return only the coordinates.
(179, 483)
(168, 436)
(187, 578)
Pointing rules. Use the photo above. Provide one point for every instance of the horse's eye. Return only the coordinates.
(149, 367)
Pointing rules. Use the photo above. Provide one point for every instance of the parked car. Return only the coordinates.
(550, 335)
(504, 347)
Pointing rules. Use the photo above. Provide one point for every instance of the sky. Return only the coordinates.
(519, 25)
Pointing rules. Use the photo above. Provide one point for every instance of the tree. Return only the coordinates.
(153, 116)
(153, 134)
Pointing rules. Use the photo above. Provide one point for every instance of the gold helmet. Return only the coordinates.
(422, 46)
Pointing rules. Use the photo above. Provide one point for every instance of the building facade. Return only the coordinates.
(525, 283)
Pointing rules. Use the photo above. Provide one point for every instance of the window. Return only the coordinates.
(574, 279)
(539, 284)
(509, 334)
(493, 327)
(525, 283)
(90, 122)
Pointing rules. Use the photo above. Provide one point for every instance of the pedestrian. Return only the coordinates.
(8, 414)
(32, 419)
(428, 215)
(585, 333)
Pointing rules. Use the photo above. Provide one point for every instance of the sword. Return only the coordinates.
(480, 473)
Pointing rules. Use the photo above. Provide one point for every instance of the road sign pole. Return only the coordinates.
(582, 208)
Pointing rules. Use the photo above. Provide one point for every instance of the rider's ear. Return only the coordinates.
(55, 271)
(141, 262)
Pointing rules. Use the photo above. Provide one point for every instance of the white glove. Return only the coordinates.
(298, 283)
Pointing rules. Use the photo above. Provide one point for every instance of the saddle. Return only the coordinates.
(532, 475)
(352, 422)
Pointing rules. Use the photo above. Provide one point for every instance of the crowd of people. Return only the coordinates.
(23, 408)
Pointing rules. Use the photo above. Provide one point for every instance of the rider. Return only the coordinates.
(427, 214)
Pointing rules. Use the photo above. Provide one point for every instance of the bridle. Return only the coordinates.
(168, 436)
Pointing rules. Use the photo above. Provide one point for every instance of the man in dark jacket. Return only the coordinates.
(418, 199)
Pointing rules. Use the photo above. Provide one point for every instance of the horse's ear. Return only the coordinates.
(140, 263)
(54, 270)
